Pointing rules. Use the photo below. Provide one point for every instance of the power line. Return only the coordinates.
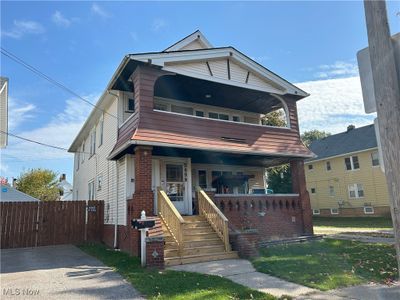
(39, 143)
(49, 79)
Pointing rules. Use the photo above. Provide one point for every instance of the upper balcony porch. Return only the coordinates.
(181, 112)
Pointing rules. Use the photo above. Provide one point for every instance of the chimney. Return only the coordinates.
(350, 127)
(14, 183)
(63, 177)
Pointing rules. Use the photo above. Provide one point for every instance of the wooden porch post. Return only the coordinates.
(299, 187)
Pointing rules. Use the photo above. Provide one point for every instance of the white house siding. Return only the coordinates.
(219, 68)
(193, 46)
(98, 165)
(121, 182)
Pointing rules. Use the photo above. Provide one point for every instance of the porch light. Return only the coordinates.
(208, 96)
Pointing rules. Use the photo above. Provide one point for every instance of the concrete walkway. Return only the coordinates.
(360, 292)
(242, 271)
(59, 272)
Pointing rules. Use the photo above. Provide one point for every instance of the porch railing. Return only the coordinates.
(171, 218)
(214, 216)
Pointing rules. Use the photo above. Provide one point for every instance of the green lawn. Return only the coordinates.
(329, 225)
(329, 264)
(167, 284)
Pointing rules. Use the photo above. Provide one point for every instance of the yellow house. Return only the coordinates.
(345, 179)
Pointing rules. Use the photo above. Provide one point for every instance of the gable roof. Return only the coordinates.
(358, 139)
(195, 40)
(10, 194)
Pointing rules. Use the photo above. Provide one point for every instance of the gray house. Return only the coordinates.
(10, 194)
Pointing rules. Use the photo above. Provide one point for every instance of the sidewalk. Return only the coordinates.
(242, 271)
(360, 292)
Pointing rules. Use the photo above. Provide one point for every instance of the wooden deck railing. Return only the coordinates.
(171, 218)
(214, 216)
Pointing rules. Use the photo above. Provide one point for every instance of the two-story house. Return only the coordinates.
(345, 179)
(187, 119)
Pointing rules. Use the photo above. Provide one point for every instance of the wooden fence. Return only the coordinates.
(32, 224)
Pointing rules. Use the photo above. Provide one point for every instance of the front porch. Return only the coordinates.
(220, 196)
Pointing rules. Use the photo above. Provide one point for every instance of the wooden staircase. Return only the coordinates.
(200, 243)
(194, 238)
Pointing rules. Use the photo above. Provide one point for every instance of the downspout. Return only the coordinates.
(116, 210)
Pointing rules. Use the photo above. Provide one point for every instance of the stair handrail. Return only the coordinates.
(171, 217)
(214, 216)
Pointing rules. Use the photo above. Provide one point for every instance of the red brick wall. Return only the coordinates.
(272, 217)
(155, 252)
(245, 243)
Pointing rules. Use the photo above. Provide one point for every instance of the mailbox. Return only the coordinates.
(142, 224)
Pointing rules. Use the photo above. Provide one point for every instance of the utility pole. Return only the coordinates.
(387, 97)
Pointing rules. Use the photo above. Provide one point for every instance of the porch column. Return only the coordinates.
(143, 198)
(299, 187)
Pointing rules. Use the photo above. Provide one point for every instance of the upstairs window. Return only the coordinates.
(77, 160)
(101, 129)
(375, 158)
(352, 163)
(93, 143)
(131, 105)
(83, 151)
(310, 167)
(356, 190)
(313, 191)
(219, 116)
(328, 166)
(182, 110)
(199, 113)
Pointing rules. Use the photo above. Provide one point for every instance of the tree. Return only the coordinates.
(274, 118)
(39, 183)
(280, 179)
(309, 136)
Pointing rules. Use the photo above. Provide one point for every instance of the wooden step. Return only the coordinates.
(197, 230)
(188, 236)
(173, 252)
(196, 224)
(173, 261)
(193, 218)
(201, 243)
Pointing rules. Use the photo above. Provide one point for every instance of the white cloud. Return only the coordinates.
(98, 10)
(158, 24)
(60, 131)
(19, 112)
(23, 27)
(337, 69)
(60, 20)
(333, 104)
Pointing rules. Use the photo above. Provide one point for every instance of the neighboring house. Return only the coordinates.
(191, 116)
(10, 194)
(66, 189)
(3, 111)
(345, 178)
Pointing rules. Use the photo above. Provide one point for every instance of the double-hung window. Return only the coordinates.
(356, 190)
(92, 142)
(91, 190)
(375, 158)
(101, 129)
(352, 163)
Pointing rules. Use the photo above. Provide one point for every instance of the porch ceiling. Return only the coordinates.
(206, 92)
(211, 157)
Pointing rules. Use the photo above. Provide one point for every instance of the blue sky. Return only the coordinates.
(80, 44)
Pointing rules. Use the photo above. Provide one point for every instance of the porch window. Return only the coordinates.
(199, 113)
(160, 106)
(225, 182)
(203, 179)
(235, 118)
(182, 109)
(214, 115)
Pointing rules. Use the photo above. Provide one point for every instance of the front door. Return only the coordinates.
(175, 185)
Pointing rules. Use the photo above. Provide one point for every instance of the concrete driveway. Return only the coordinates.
(59, 272)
